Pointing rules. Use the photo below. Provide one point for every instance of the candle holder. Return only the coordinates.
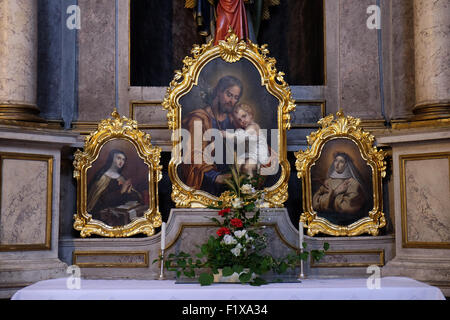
(301, 276)
(300, 247)
(161, 273)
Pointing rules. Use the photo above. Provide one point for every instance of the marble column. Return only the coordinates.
(18, 61)
(432, 59)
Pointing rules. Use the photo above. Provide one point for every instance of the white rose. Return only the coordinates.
(236, 251)
(237, 203)
(228, 239)
(240, 233)
(247, 189)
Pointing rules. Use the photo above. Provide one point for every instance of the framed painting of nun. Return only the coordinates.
(117, 181)
(341, 173)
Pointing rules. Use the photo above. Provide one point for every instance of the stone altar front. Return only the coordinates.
(132, 258)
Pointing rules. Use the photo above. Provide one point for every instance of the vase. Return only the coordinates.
(234, 278)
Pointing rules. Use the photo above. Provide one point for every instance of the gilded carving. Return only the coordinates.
(345, 200)
(120, 140)
(228, 54)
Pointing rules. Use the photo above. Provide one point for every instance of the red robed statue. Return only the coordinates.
(231, 13)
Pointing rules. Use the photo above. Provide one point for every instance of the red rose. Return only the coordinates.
(237, 223)
(223, 211)
(222, 231)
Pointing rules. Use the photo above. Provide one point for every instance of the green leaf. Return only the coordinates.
(189, 274)
(304, 256)
(283, 267)
(304, 245)
(192, 274)
(238, 268)
(258, 281)
(245, 277)
(230, 184)
(326, 246)
(205, 279)
(227, 271)
(250, 207)
(235, 176)
(317, 255)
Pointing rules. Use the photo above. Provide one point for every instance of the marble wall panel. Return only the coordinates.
(362, 258)
(18, 51)
(427, 200)
(105, 259)
(149, 114)
(402, 55)
(432, 43)
(307, 114)
(96, 58)
(358, 66)
(23, 217)
(331, 88)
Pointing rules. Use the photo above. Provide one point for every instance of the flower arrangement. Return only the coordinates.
(238, 244)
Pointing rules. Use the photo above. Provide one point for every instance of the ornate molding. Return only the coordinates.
(348, 128)
(230, 50)
(112, 129)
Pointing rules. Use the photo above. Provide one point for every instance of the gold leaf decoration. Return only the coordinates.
(346, 127)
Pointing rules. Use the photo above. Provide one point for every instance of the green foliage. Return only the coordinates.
(205, 279)
(239, 243)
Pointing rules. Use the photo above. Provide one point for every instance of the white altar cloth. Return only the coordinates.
(391, 288)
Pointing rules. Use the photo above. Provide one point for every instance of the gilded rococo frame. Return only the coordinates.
(346, 129)
(116, 130)
(231, 50)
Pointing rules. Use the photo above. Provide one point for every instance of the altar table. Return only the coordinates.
(391, 288)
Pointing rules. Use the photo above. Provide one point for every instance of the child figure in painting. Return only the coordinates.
(247, 129)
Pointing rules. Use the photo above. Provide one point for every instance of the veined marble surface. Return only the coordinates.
(23, 215)
(18, 38)
(358, 67)
(432, 43)
(428, 200)
(96, 58)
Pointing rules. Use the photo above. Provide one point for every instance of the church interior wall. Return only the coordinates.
(370, 74)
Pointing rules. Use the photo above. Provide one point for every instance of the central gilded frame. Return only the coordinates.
(207, 63)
